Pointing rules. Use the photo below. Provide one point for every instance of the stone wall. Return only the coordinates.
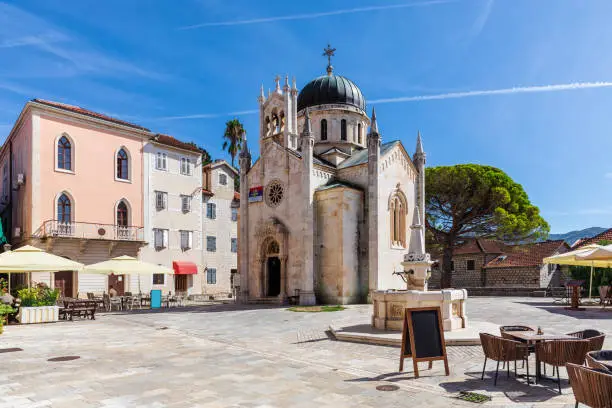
(526, 277)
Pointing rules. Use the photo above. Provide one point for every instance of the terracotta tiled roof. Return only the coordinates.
(174, 142)
(478, 245)
(603, 236)
(527, 254)
(77, 109)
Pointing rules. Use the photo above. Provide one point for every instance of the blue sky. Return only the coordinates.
(185, 67)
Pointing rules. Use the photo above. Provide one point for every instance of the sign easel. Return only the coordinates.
(423, 338)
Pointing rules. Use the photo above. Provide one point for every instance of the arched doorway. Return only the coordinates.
(272, 276)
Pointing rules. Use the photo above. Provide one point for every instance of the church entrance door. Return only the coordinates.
(274, 276)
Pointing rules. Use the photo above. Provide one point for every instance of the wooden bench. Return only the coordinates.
(80, 308)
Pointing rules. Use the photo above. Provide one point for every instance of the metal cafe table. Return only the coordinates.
(531, 337)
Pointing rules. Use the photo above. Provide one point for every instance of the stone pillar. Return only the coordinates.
(243, 247)
(307, 296)
(372, 204)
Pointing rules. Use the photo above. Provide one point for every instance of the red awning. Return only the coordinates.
(184, 268)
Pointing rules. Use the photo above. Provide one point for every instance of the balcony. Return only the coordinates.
(87, 230)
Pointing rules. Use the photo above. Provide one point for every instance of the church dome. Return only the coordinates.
(330, 89)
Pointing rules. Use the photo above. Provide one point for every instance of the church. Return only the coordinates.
(329, 209)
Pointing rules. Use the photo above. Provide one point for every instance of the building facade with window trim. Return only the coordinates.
(219, 227)
(172, 219)
(61, 192)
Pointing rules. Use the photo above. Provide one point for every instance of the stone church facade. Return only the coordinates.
(328, 211)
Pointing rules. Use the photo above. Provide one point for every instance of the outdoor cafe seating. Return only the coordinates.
(558, 350)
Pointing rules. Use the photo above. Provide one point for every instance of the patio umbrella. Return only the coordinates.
(126, 265)
(31, 259)
(589, 255)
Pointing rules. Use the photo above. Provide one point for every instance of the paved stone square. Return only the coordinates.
(249, 356)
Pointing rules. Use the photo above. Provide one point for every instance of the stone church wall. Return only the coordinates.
(395, 169)
(339, 214)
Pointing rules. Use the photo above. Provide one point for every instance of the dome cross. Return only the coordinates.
(329, 52)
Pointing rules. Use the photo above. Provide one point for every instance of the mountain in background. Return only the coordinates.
(572, 236)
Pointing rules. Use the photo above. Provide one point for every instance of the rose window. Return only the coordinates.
(274, 194)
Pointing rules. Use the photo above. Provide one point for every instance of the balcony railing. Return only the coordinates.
(87, 230)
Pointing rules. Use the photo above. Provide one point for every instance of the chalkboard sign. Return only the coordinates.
(423, 338)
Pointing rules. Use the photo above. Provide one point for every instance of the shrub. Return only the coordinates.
(38, 296)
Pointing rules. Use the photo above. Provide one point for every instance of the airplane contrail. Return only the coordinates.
(208, 115)
(316, 15)
(504, 91)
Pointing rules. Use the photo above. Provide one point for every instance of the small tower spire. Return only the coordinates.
(374, 124)
(262, 96)
(419, 144)
(293, 85)
(277, 81)
(286, 82)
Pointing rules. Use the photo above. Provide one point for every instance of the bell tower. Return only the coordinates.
(278, 115)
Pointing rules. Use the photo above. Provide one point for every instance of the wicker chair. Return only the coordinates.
(502, 350)
(595, 338)
(504, 329)
(558, 353)
(593, 359)
(591, 387)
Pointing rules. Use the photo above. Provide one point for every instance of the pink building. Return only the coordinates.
(72, 184)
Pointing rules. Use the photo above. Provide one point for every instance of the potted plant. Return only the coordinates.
(5, 310)
(38, 305)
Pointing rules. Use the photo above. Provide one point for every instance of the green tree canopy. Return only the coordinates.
(234, 130)
(205, 155)
(470, 200)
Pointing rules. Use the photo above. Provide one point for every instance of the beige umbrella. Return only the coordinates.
(31, 259)
(589, 255)
(126, 265)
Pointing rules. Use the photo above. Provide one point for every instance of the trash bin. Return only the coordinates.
(155, 299)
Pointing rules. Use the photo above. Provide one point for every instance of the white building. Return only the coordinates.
(172, 205)
(328, 211)
(220, 206)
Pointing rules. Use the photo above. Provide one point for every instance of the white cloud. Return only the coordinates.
(504, 91)
(317, 15)
(482, 19)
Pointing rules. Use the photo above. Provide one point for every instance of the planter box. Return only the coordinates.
(40, 314)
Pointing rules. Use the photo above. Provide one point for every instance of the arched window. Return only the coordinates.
(276, 123)
(282, 122)
(64, 153)
(343, 129)
(122, 214)
(122, 165)
(324, 129)
(359, 140)
(398, 212)
(64, 209)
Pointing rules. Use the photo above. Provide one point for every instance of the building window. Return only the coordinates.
(211, 276)
(211, 244)
(64, 209)
(359, 140)
(185, 203)
(234, 213)
(122, 165)
(343, 129)
(223, 179)
(64, 153)
(324, 129)
(122, 214)
(211, 211)
(470, 265)
(185, 166)
(161, 162)
(160, 237)
(397, 210)
(158, 278)
(234, 244)
(186, 240)
(161, 200)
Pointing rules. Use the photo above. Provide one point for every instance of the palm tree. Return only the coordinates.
(233, 137)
